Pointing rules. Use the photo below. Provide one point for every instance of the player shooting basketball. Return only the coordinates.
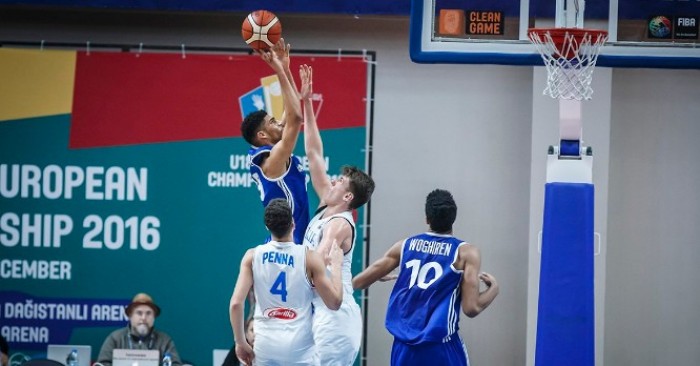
(276, 172)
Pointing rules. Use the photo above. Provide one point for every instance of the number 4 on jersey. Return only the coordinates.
(280, 286)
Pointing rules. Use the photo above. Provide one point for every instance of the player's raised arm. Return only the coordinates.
(276, 164)
(312, 136)
(236, 307)
(473, 301)
(380, 268)
(329, 289)
(283, 55)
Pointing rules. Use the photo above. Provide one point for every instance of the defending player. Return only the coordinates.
(337, 334)
(276, 172)
(438, 274)
(282, 274)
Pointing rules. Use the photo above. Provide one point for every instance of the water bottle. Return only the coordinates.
(72, 359)
(167, 360)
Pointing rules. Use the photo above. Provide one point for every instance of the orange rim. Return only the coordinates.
(559, 36)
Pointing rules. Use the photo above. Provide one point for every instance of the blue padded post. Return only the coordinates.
(565, 315)
(570, 147)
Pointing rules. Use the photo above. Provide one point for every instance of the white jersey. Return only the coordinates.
(312, 239)
(337, 334)
(283, 296)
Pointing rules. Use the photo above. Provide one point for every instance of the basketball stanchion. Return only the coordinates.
(570, 56)
(566, 304)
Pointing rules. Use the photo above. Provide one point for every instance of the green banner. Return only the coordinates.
(84, 229)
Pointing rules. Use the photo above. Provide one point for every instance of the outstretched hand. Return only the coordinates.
(272, 58)
(281, 50)
(307, 82)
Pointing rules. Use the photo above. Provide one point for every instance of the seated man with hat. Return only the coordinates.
(139, 333)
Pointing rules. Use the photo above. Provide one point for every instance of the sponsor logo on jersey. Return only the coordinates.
(280, 313)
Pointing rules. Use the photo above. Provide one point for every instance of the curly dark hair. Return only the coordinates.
(278, 217)
(252, 123)
(361, 185)
(440, 211)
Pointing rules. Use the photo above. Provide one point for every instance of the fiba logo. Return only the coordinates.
(685, 27)
(660, 27)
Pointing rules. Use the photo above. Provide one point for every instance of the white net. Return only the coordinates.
(570, 56)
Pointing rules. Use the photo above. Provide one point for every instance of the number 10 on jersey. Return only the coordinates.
(419, 273)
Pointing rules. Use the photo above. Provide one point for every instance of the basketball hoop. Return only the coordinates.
(569, 55)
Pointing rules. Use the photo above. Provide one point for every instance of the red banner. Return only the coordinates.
(128, 98)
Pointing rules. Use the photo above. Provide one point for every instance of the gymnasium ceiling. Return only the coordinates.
(353, 7)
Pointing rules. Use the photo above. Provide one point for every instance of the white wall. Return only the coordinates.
(470, 129)
(652, 300)
(458, 128)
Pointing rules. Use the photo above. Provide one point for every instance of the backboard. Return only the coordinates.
(642, 33)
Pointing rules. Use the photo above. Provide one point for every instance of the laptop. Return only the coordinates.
(59, 352)
(220, 356)
(135, 357)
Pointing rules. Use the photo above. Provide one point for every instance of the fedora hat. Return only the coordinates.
(142, 299)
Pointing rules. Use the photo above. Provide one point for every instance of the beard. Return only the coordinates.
(142, 330)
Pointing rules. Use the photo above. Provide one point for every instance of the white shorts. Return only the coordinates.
(337, 334)
(284, 348)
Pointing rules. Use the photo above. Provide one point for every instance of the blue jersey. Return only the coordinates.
(424, 305)
(291, 186)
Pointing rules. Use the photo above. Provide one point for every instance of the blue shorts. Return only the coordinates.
(451, 353)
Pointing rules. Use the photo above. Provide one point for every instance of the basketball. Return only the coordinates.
(261, 29)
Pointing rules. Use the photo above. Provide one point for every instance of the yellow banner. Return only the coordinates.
(273, 95)
(35, 83)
